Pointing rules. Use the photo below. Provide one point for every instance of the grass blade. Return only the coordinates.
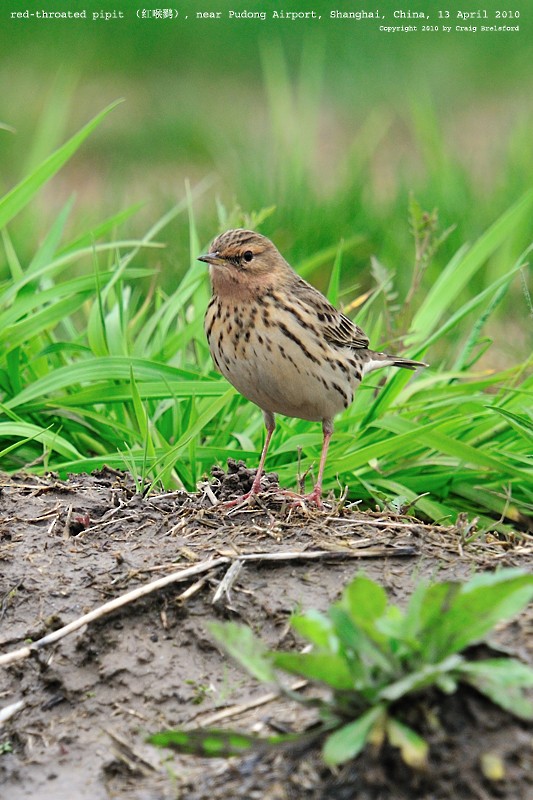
(21, 194)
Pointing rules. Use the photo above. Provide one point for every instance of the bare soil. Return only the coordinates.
(90, 699)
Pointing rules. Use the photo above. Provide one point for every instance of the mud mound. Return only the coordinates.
(89, 700)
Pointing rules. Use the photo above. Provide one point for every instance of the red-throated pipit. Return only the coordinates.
(280, 342)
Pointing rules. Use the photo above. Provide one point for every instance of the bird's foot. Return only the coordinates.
(237, 501)
(303, 500)
(296, 499)
(243, 499)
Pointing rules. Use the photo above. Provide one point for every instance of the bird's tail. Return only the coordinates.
(379, 360)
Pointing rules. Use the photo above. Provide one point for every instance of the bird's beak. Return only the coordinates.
(211, 258)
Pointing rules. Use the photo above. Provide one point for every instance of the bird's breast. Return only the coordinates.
(277, 358)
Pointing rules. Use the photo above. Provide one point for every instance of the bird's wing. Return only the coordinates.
(337, 329)
(345, 333)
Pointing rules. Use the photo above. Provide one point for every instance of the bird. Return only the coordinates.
(281, 343)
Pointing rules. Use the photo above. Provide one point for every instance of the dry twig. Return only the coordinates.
(112, 605)
(241, 708)
(184, 574)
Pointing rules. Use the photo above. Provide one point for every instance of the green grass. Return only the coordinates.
(101, 363)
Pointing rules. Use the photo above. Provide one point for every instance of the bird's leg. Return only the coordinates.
(316, 494)
(270, 424)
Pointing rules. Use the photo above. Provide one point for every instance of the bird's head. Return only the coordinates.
(244, 263)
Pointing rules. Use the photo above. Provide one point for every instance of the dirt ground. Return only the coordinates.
(89, 701)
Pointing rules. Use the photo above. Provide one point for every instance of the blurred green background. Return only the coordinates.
(331, 123)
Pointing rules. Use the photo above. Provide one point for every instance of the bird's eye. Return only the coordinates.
(248, 255)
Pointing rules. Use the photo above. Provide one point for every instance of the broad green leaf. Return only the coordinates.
(426, 605)
(348, 741)
(53, 116)
(324, 667)
(365, 600)
(392, 626)
(365, 648)
(427, 675)
(241, 644)
(472, 611)
(317, 628)
(502, 680)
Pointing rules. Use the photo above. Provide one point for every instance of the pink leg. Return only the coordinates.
(270, 424)
(316, 495)
(256, 485)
